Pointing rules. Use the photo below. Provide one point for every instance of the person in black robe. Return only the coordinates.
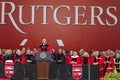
(60, 58)
(8, 55)
(30, 57)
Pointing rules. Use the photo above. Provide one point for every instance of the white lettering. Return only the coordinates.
(32, 15)
(93, 16)
(56, 18)
(44, 12)
(112, 16)
(3, 14)
(77, 15)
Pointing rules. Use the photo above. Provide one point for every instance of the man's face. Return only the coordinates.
(44, 41)
(96, 53)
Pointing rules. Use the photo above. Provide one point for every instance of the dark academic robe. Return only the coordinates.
(117, 60)
(44, 47)
(30, 57)
(61, 57)
(85, 60)
(9, 57)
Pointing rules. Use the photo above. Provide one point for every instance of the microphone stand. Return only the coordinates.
(69, 74)
(89, 69)
(58, 72)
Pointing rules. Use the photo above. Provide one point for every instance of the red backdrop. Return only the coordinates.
(74, 37)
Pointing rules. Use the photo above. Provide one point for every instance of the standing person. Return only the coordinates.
(30, 66)
(44, 46)
(19, 60)
(53, 54)
(8, 55)
(85, 58)
(108, 63)
(97, 59)
(117, 61)
(74, 59)
(30, 57)
(1, 56)
(60, 58)
(19, 57)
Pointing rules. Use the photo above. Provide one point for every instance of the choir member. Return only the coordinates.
(44, 46)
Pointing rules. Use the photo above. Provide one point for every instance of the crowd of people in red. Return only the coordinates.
(105, 59)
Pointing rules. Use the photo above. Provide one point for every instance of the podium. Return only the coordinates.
(43, 60)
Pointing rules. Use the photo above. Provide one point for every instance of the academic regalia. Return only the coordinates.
(20, 59)
(30, 57)
(24, 60)
(108, 64)
(98, 61)
(85, 60)
(8, 57)
(61, 57)
(117, 65)
(44, 47)
(95, 60)
(66, 59)
(76, 59)
(1, 58)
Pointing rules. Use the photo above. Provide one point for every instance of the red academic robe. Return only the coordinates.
(2, 58)
(100, 62)
(22, 61)
(49, 49)
(85, 60)
(77, 60)
(108, 67)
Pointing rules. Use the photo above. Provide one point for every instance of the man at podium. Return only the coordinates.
(43, 58)
(44, 46)
(44, 51)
